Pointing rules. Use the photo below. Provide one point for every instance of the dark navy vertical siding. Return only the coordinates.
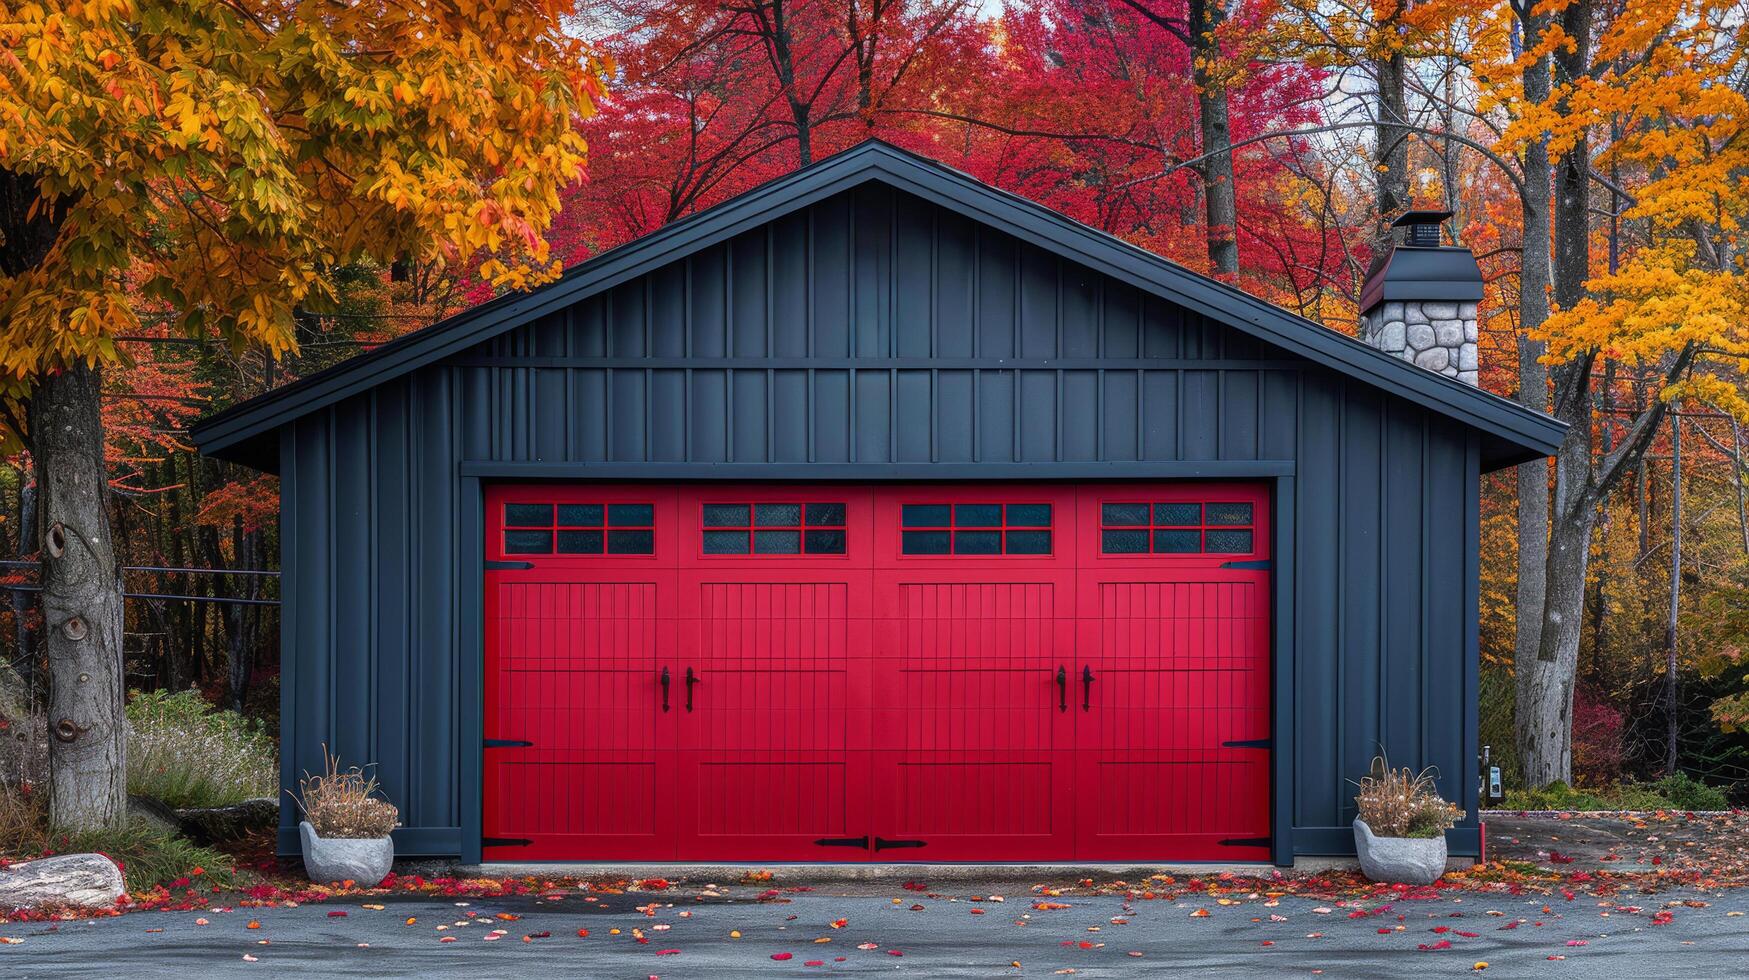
(874, 329)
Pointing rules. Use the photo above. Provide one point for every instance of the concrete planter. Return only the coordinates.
(363, 861)
(1400, 860)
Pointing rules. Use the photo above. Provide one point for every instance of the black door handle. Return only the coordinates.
(1062, 688)
(1086, 687)
(664, 680)
(691, 679)
(881, 843)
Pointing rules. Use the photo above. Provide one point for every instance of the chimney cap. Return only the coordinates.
(1409, 219)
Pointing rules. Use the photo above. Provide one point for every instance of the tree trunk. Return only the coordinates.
(1545, 701)
(1391, 142)
(82, 605)
(1219, 196)
(1675, 594)
(1533, 377)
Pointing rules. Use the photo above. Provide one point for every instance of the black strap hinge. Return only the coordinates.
(505, 842)
(493, 565)
(1262, 564)
(861, 842)
(506, 743)
(1249, 743)
(1246, 842)
(881, 843)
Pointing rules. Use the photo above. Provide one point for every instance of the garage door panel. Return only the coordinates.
(768, 765)
(1179, 664)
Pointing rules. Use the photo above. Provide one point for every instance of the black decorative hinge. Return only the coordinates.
(505, 842)
(1246, 842)
(506, 743)
(507, 566)
(1250, 743)
(881, 843)
(861, 842)
(1262, 564)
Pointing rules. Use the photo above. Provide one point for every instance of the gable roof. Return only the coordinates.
(247, 432)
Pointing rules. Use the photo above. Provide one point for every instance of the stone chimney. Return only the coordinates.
(1419, 299)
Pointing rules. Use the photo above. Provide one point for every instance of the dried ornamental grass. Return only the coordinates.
(1403, 803)
(342, 803)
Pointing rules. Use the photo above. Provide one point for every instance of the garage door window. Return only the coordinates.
(752, 528)
(1176, 528)
(579, 529)
(976, 529)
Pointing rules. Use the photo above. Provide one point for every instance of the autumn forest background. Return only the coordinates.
(1592, 150)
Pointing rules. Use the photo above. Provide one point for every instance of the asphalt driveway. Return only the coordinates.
(885, 929)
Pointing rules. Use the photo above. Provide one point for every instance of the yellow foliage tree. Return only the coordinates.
(221, 158)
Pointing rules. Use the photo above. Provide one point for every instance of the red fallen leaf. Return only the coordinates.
(1384, 930)
(667, 952)
(815, 963)
(582, 932)
(1556, 857)
(839, 923)
(337, 914)
(1442, 929)
(1578, 942)
(1510, 925)
(894, 952)
(1663, 918)
(531, 937)
(916, 908)
(1657, 859)
(780, 957)
(1469, 935)
(1430, 947)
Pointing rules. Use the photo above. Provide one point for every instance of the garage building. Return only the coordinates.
(879, 515)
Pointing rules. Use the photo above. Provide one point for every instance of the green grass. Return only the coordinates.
(150, 856)
(1677, 792)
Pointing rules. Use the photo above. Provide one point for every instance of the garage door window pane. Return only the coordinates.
(528, 542)
(977, 543)
(925, 542)
(777, 515)
(580, 515)
(1178, 515)
(1229, 514)
(1124, 514)
(1177, 542)
(726, 515)
(1229, 542)
(977, 515)
(725, 542)
(1029, 515)
(1029, 542)
(777, 542)
(828, 515)
(827, 542)
(926, 515)
(631, 542)
(528, 515)
(1124, 542)
(631, 515)
(579, 542)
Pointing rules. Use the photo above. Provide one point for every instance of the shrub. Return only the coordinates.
(1687, 793)
(185, 753)
(1678, 792)
(342, 803)
(1403, 803)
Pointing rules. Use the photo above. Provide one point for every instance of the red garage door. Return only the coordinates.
(937, 673)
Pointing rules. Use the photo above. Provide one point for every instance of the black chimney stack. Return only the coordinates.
(1422, 227)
